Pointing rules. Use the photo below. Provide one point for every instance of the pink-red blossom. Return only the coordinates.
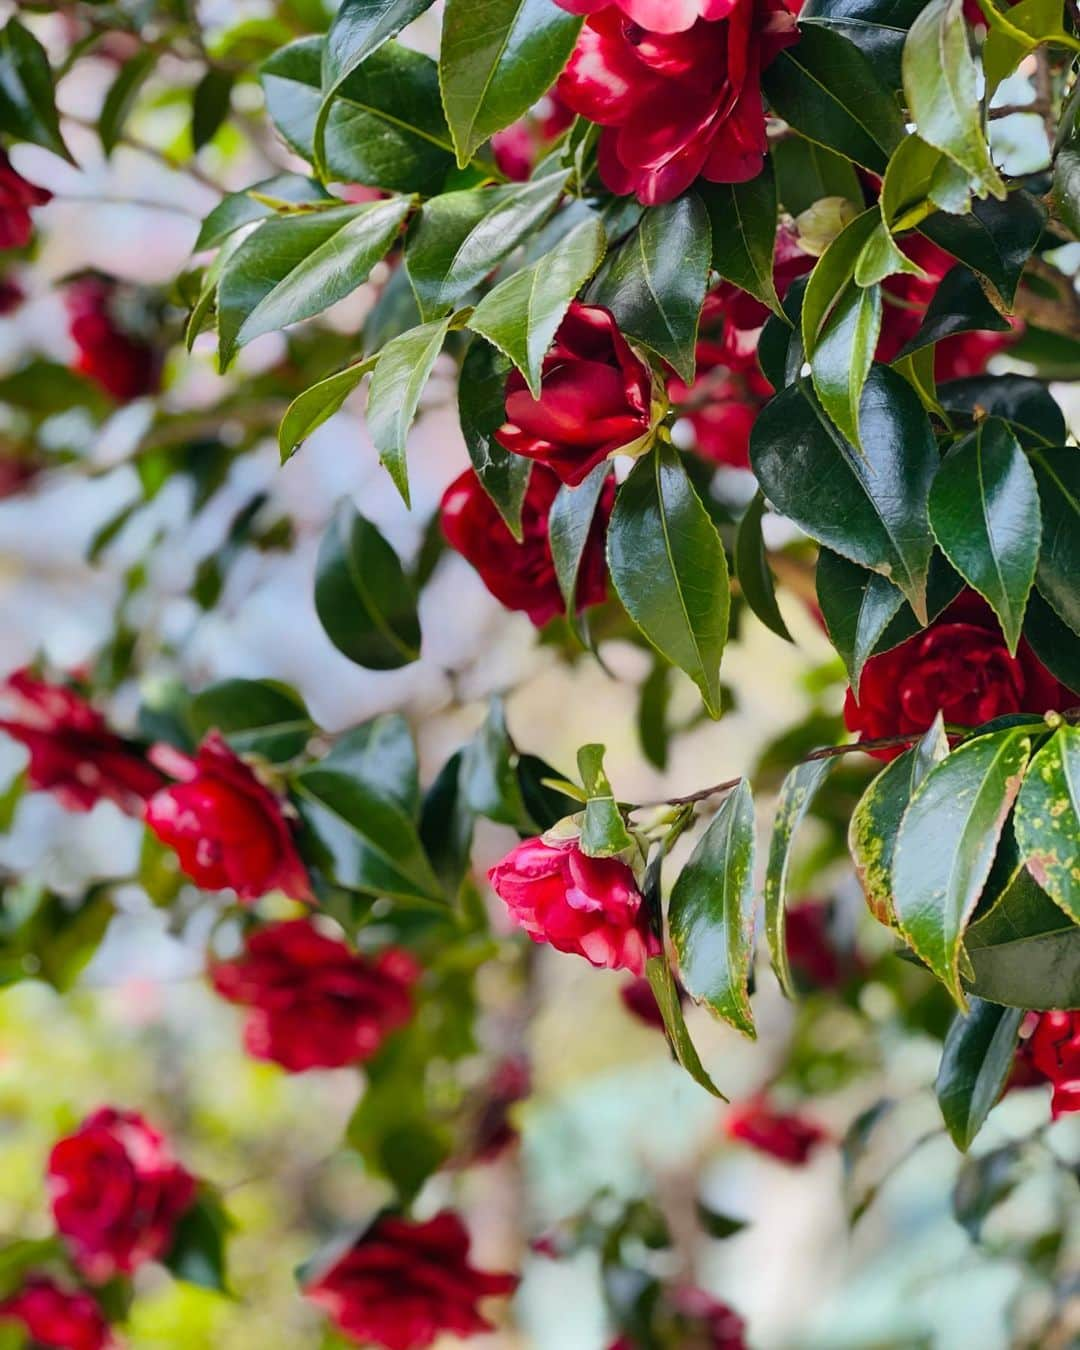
(17, 196)
(783, 1135)
(55, 1317)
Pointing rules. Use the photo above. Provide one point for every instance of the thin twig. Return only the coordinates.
(144, 147)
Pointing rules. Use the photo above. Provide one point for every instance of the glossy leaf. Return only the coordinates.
(984, 511)
(570, 522)
(1026, 952)
(797, 794)
(975, 1063)
(1047, 820)
(261, 717)
(384, 127)
(920, 177)
(1053, 642)
(1066, 188)
(446, 826)
(870, 507)
(877, 27)
(947, 842)
(482, 410)
(995, 239)
(1015, 30)
(489, 773)
(875, 822)
(294, 267)
(458, 238)
(364, 601)
(959, 305)
(752, 569)
(521, 314)
(668, 566)
(830, 93)
(497, 58)
(197, 1252)
(743, 219)
(857, 607)
(807, 171)
(655, 282)
(309, 410)
(941, 89)
(711, 914)
(1057, 473)
(1026, 404)
(244, 208)
(603, 829)
(396, 385)
(27, 101)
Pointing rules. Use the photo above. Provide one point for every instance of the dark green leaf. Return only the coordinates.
(27, 101)
(876, 27)
(317, 405)
(959, 305)
(1016, 30)
(1057, 473)
(654, 698)
(743, 220)
(655, 282)
(806, 172)
(522, 313)
(947, 842)
(545, 805)
(941, 88)
(459, 237)
(1025, 404)
(829, 92)
(875, 822)
(984, 511)
(857, 607)
(396, 385)
(752, 569)
(995, 239)
(197, 1254)
(1053, 642)
(482, 409)
(871, 508)
(1047, 819)
(711, 914)
(975, 1063)
(668, 566)
(489, 772)
(19, 1258)
(666, 993)
(446, 826)
(1066, 189)
(210, 105)
(293, 267)
(385, 126)
(497, 58)
(1026, 952)
(797, 794)
(120, 99)
(983, 1183)
(260, 717)
(603, 829)
(570, 522)
(363, 598)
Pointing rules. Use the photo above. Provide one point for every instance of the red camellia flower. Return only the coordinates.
(589, 906)
(117, 1193)
(228, 830)
(676, 104)
(17, 196)
(315, 1003)
(960, 665)
(51, 1316)
(906, 299)
(595, 398)
(730, 390)
(520, 145)
(73, 754)
(788, 1137)
(401, 1284)
(122, 364)
(661, 16)
(522, 575)
(811, 951)
(1053, 1049)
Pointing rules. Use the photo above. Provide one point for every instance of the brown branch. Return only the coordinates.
(1038, 107)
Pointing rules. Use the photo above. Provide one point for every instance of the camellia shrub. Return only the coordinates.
(752, 312)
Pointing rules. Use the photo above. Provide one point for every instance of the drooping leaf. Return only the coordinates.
(244, 208)
(603, 829)
(1053, 642)
(261, 717)
(363, 598)
(995, 238)
(877, 27)
(941, 90)
(857, 606)
(121, 96)
(489, 773)
(1026, 404)
(1015, 30)
(797, 794)
(384, 127)
(197, 1253)
(521, 314)
(309, 410)
(496, 60)
(1066, 188)
(668, 566)
(1047, 820)
(869, 507)
(830, 93)
(752, 569)
(875, 822)
(211, 103)
(959, 305)
(984, 511)
(743, 218)
(711, 914)
(570, 523)
(459, 237)
(1025, 953)
(396, 385)
(1057, 472)
(947, 842)
(27, 101)
(446, 826)
(844, 354)
(978, 1055)
(655, 282)
(293, 267)
(482, 410)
